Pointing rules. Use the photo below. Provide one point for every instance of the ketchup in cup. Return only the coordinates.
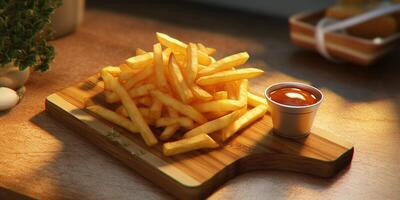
(293, 107)
(293, 96)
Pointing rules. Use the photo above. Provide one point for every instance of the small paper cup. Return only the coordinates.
(293, 121)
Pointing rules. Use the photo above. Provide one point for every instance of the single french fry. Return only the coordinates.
(156, 109)
(218, 105)
(134, 113)
(146, 72)
(255, 100)
(159, 66)
(177, 81)
(106, 79)
(179, 46)
(226, 63)
(166, 54)
(212, 126)
(113, 117)
(201, 94)
(207, 50)
(167, 121)
(220, 95)
(140, 51)
(231, 88)
(189, 144)
(244, 84)
(192, 64)
(226, 76)
(140, 61)
(170, 130)
(112, 70)
(182, 108)
(243, 121)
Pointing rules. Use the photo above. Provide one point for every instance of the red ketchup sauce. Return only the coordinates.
(293, 96)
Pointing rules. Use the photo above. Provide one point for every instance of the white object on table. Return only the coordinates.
(8, 98)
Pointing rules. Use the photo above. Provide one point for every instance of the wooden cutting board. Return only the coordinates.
(197, 174)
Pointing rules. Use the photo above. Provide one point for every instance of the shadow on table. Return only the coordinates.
(11, 195)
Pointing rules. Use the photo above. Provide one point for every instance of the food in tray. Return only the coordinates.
(181, 89)
(383, 26)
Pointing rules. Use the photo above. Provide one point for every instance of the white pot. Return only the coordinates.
(12, 77)
(67, 17)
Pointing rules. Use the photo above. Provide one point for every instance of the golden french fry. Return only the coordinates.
(133, 113)
(166, 54)
(220, 95)
(182, 108)
(218, 105)
(178, 83)
(201, 94)
(192, 64)
(212, 126)
(167, 121)
(254, 100)
(189, 144)
(179, 46)
(207, 50)
(244, 84)
(226, 63)
(146, 72)
(140, 51)
(112, 70)
(159, 66)
(140, 61)
(226, 76)
(232, 89)
(243, 121)
(156, 109)
(170, 130)
(145, 112)
(106, 79)
(113, 117)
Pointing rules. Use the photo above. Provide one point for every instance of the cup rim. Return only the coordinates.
(266, 92)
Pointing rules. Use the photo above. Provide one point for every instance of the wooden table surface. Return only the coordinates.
(40, 158)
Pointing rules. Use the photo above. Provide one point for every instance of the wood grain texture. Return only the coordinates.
(197, 174)
(354, 49)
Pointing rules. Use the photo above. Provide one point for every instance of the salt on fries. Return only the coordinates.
(181, 87)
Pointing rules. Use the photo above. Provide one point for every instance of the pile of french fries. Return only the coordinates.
(181, 88)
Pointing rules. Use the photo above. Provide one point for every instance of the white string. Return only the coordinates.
(331, 25)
